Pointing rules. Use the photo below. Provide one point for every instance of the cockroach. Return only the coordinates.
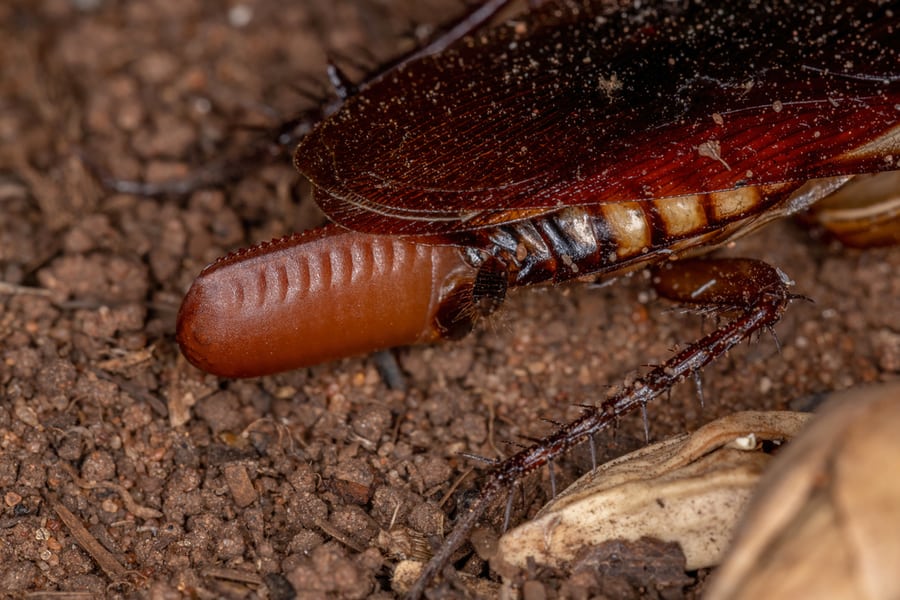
(579, 141)
(535, 153)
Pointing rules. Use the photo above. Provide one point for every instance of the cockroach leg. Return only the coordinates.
(698, 385)
(478, 458)
(507, 514)
(759, 294)
(389, 370)
(719, 284)
(552, 478)
(646, 421)
(775, 339)
(469, 22)
(342, 85)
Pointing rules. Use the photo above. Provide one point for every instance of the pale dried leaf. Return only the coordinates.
(689, 490)
(824, 521)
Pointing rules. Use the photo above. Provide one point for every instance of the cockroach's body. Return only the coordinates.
(332, 293)
(582, 140)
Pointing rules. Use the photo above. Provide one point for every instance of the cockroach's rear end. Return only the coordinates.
(322, 295)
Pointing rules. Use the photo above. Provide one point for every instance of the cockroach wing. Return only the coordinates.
(577, 103)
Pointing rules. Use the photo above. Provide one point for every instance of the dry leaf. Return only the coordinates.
(825, 521)
(689, 489)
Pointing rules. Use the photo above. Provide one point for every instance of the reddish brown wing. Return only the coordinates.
(583, 105)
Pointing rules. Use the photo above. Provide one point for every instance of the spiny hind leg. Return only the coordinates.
(758, 294)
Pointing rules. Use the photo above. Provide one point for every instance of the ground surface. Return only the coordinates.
(195, 486)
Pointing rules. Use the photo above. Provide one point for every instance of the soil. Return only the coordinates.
(125, 472)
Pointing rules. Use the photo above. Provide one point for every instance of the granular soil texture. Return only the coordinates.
(125, 472)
